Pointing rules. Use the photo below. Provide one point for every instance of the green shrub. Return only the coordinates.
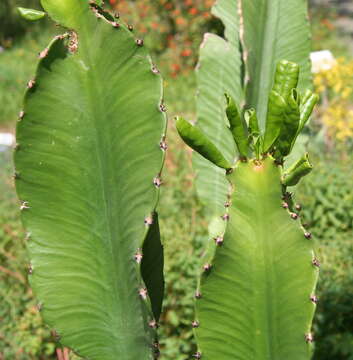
(328, 197)
(334, 319)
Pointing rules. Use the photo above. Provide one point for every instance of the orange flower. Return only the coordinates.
(180, 21)
(186, 52)
(193, 11)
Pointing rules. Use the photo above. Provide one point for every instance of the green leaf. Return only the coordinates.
(251, 118)
(218, 72)
(307, 107)
(89, 162)
(255, 138)
(286, 78)
(31, 14)
(275, 115)
(298, 170)
(274, 30)
(290, 125)
(238, 127)
(199, 142)
(254, 300)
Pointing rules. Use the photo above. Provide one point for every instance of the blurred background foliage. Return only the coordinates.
(173, 29)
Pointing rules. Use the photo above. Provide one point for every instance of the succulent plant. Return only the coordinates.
(90, 150)
(256, 294)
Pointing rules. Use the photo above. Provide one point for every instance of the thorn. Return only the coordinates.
(157, 181)
(307, 235)
(28, 236)
(227, 204)
(55, 335)
(43, 53)
(138, 256)
(315, 262)
(207, 267)
(143, 293)
(139, 42)
(219, 240)
(116, 15)
(16, 175)
(130, 27)
(21, 115)
(24, 205)
(314, 299)
(148, 220)
(153, 324)
(17, 146)
(39, 307)
(229, 171)
(294, 216)
(162, 107)
(195, 324)
(30, 269)
(298, 207)
(287, 195)
(163, 145)
(59, 37)
(115, 24)
(309, 338)
(156, 351)
(155, 69)
(198, 295)
(225, 217)
(285, 205)
(31, 83)
(197, 355)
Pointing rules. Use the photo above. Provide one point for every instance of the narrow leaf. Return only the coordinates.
(251, 118)
(31, 14)
(238, 127)
(286, 78)
(199, 142)
(307, 108)
(298, 170)
(275, 115)
(290, 125)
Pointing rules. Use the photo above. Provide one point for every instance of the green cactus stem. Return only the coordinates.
(91, 149)
(256, 293)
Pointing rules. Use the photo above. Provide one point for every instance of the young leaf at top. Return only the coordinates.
(31, 14)
(298, 170)
(238, 126)
(275, 113)
(199, 142)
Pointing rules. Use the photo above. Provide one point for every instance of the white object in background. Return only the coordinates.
(322, 61)
(6, 140)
